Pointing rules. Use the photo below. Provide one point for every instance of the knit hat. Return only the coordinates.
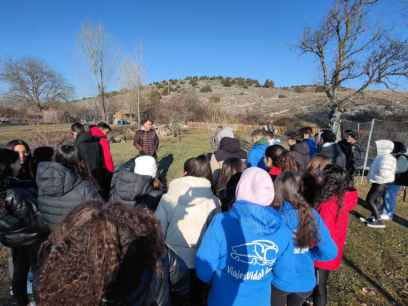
(145, 165)
(256, 186)
(229, 148)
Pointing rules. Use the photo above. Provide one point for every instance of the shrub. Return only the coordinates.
(226, 82)
(206, 88)
(281, 96)
(215, 99)
(193, 82)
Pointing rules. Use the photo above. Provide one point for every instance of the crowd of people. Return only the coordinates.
(264, 227)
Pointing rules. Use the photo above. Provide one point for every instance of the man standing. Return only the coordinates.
(353, 152)
(146, 140)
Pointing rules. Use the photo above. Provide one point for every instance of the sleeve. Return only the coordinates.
(162, 214)
(326, 248)
(91, 193)
(107, 156)
(137, 142)
(209, 252)
(402, 164)
(329, 217)
(157, 141)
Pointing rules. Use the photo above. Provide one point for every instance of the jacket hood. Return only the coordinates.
(53, 179)
(384, 147)
(97, 132)
(301, 148)
(262, 219)
(256, 186)
(129, 185)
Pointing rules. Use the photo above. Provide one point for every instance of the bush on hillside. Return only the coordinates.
(206, 88)
(215, 99)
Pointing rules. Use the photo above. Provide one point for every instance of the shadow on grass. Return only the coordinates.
(397, 219)
(371, 281)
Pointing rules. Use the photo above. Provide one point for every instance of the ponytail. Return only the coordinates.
(288, 188)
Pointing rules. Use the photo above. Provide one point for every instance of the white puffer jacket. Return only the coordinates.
(384, 166)
(184, 213)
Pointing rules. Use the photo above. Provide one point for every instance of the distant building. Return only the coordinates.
(122, 116)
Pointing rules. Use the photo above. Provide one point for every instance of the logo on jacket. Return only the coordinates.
(261, 252)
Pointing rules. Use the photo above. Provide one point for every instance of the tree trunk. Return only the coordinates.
(138, 107)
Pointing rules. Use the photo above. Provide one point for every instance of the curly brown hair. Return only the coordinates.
(80, 263)
(288, 187)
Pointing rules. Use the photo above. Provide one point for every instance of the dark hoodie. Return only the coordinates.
(60, 190)
(301, 153)
(90, 151)
(134, 189)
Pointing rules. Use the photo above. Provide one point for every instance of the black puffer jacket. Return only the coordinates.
(60, 190)
(20, 223)
(133, 189)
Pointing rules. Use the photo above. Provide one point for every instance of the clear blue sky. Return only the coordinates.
(232, 38)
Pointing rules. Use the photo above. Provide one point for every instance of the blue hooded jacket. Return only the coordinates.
(238, 252)
(295, 272)
(256, 155)
(312, 147)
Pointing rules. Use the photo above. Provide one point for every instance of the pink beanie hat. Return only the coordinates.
(256, 186)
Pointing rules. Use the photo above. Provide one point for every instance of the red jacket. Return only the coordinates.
(104, 142)
(337, 223)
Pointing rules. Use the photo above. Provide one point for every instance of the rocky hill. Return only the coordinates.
(239, 99)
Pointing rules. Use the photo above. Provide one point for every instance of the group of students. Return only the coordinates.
(265, 227)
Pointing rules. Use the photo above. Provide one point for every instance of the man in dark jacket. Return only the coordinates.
(299, 148)
(353, 152)
(89, 149)
(146, 140)
(332, 150)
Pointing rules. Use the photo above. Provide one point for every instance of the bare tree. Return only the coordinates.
(96, 45)
(131, 78)
(348, 49)
(32, 81)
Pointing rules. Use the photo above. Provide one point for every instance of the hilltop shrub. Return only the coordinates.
(226, 82)
(206, 88)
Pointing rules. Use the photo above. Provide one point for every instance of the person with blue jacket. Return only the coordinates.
(238, 251)
(257, 153)
(293, 274)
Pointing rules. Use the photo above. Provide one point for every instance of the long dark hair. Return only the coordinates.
(335, 185)
(87, 253)
(199, 167)
(230, 167)
(313, 178)
(67, 155)
(288, 187)
(26, 168)
(287, 162)
(7, 158)
(274, 152)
